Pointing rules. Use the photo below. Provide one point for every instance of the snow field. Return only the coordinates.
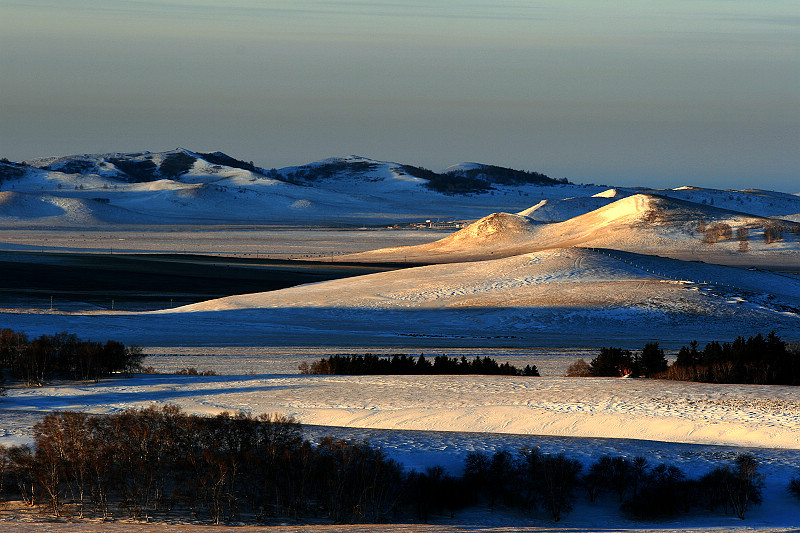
(424, 421)
(757, 416)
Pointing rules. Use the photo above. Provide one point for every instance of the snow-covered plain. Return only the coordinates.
(558, 406)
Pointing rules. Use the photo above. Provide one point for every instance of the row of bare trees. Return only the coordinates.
(154, 462)
(157, 463)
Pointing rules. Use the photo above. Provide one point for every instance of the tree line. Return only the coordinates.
(161, 462)
(10, 170)
(759, 360)
(63, 355)
(478, 180)
(402, 364)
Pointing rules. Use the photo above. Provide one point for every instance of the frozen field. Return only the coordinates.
(280, 242)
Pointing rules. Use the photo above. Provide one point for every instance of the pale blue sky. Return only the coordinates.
(652, 93)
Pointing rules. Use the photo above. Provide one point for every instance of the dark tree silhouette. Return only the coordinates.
(651, 360)
(612, 362)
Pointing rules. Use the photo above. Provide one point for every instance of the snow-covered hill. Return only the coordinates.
(686, 223)
(642, 223)
(567, 278)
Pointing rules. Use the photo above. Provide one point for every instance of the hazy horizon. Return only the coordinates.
(691, 92)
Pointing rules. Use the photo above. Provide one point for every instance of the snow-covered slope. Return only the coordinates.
(753, 201)
(555, 210)
(580, 277)
(354, 174)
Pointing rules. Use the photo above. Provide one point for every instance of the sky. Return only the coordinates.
(635, 92)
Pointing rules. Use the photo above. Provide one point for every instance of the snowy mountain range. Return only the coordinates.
(181, 186)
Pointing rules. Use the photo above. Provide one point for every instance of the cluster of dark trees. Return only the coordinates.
(161, 462)
(137, 171)
(74, 166)
(761, 360)
(664, 490)
(176, 164)
(10, 170)
(478, 180)
(402, 364)
(616, 362)
(508, 176)
(173, 165)
(327, 170)
(220, 158)
(794, 487)
(756, 360)
(63, 355)
(448, 183)
(551, 483)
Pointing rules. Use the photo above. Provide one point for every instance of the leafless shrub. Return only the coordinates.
(317, 367)
(652, 216)
(192, 371)
(578, 369)
(717, 232)
(773, 233)
(743, 234)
